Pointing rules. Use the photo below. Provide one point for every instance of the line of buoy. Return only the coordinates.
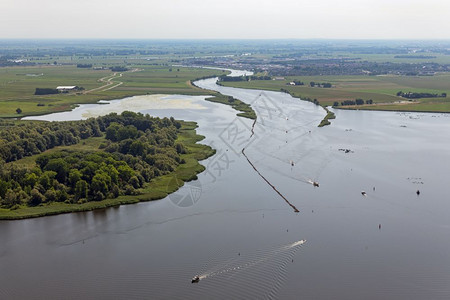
(267, 181)
(253, 129)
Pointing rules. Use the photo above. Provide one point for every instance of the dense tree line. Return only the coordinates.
(85, 66)
(353, 102)
(412, 95)
(415, 56)
(137, 148)
(243, 78)
(320, 84)
(46, 91)
(119, 69)
(29, 138)
(295, 82)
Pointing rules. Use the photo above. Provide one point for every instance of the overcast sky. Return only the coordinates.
(241, 19)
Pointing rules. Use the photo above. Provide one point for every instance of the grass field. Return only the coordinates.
(158, 188)
(18, 84)
(381, 89)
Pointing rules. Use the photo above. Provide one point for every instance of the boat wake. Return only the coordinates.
(234, 266)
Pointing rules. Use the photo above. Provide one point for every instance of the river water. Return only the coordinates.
(244, 239)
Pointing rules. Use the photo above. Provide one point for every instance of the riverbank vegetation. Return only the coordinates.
(245, 109)
(60, 167)
(330, 115)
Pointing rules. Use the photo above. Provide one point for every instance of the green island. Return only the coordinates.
(245, 109)
(59, 167)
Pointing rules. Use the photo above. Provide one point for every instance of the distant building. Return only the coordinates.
(66, 88)
(17, 61)
(278, 78)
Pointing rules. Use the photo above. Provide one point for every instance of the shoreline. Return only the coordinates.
(396, 107)
(393, 110)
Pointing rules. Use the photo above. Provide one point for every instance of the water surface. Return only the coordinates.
(231, 228)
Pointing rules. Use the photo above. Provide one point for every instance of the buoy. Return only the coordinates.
(418, 192)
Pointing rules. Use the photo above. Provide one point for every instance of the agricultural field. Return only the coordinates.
(18, 84)
(381, 90)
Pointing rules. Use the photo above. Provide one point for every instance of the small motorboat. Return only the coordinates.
(363, 193)
(315, 183)
(195, 279)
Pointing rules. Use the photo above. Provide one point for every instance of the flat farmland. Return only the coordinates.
(18, 84)
(380, 89)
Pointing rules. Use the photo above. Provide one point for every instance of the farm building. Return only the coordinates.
(67, 88)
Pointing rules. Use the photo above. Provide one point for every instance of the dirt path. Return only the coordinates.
(109, 82)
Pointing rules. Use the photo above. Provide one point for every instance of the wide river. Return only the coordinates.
(237, 228)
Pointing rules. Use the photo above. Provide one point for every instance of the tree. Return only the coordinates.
(134, 181)
(125, 172)
(59, 166)
(50, 195)
(137, 148)
(81, 189)
(100, 183)
(18, 111)
(11, 198)
(180, 148)
(111, 131)
(36, 198)
(74, 177)
(46, 179)
(127, 132)
(31, 179)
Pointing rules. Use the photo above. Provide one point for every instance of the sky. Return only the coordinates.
(225, 19)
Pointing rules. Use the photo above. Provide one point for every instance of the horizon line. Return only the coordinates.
(228, 39)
